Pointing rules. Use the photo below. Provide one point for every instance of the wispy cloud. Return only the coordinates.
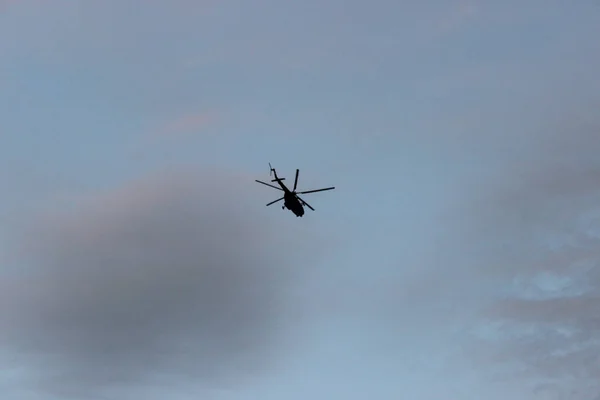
(460, 14)
(546, 216)
(189, 124)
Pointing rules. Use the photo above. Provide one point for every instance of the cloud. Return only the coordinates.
(93, 32)
(189, 123)
(4, 4)
(544, 218)
(165, 276)
(457, 17)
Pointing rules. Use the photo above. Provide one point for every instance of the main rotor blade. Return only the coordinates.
(305, 203)
(275, 201)
(317, 190)
(274, 187)
(296, 181)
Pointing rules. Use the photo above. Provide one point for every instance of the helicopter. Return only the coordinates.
(292, 201)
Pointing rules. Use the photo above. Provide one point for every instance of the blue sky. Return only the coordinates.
(455, 259)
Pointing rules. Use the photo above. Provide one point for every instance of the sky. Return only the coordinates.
(457, 257)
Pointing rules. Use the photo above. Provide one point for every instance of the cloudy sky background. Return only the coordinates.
(457, 257)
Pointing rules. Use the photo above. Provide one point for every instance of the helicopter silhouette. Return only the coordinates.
(292, 201)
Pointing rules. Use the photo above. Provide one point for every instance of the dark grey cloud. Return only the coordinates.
(172, 276)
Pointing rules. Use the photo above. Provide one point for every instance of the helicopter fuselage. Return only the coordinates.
(290, 201)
